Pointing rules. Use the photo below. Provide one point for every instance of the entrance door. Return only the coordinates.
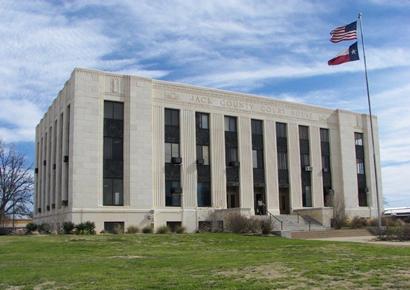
(259, 201)
(232, 196)
(284, 201)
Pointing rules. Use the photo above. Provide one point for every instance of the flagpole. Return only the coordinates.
(379, 218)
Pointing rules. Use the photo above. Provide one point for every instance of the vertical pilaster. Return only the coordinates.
(158, 157)
(316, 163)
(245, 159)
(189, 172)
(294, 167)
(271, 167)
(141, 144)
(218, 171)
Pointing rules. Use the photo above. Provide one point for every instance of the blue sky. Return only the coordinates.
(271, 48)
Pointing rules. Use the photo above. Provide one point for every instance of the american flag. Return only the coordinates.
(347, 32)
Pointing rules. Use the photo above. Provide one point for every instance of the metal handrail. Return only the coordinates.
(309, 222)
(280, 221)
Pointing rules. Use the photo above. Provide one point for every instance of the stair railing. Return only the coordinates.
(277, 219)
(308, 220)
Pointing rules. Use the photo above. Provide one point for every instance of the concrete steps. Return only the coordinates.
(285, 225)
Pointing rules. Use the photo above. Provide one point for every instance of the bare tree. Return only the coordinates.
(16, 183)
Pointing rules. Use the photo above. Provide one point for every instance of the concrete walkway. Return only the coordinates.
(365, 239)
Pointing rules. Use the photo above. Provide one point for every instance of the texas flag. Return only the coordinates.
(350, 54)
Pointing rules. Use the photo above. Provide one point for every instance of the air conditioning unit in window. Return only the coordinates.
(65, 158)
(325, 170)
(308, 168)
(200, 161)
(176, 190)
(234, 163)
(176, 160)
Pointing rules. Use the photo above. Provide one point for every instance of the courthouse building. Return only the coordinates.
(123, 150)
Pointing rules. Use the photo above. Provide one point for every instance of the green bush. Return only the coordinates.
(403, 233)
(180, 230)
(147, 230)
(133, 230)
(87, 228)
(31, 227)
(163, 230)
(266, 226)
(44, 228)
(68, 227)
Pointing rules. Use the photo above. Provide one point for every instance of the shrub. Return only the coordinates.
(339, 222)
(266, 226)
(87, 228)
(403, 233)
(44, 228)
(358, 222)
(31, 227)
(238, 223)
(68, 227)
(147, 230)
(133, 230)
(253, 225)
(163, 230)
(180, 230)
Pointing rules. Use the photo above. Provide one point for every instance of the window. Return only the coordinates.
(230, 124)
(171, 117)
(171, 151)
(231, 154)
(360, 166)
(114, 227)
(358, 139)
(113, 154)
(202, 152)
(202, 120)
(173, 193)
(324, 135)
(257, 127)
(257, 158)
(281, 130)
(303, 133)
(305, 159)
(282, 161)
(204, 194)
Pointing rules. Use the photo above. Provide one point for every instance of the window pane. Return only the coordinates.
(107, 191)
(168, 154)
(168, 117)
(175, 150)
(204, 121)
(232, 124)
(226, 123)
(255, 158)
(118, 111)
(175, 118)
(303, 132)
(108, 110)
(198, 152)
(205, 154)
(107, 148)
(358, 139)
(117, 149)
(117, 191)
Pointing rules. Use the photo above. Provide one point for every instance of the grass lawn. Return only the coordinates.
(197, 261)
